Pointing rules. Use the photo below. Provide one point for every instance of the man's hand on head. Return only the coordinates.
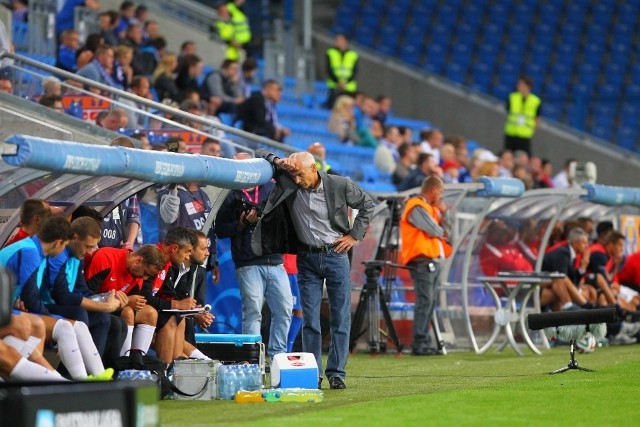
(289, 164)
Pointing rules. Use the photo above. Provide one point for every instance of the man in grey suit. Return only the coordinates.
(307, 214)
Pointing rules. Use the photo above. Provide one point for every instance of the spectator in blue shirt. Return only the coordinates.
(67, 51)
(65, 17)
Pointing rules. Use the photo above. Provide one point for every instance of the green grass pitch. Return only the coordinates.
(459, 389)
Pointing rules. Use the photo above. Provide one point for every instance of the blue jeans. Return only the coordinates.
(313, 270)
(258, 282)
(425, 283)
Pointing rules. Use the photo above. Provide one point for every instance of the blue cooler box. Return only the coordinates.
(233, 348)
(294, 370)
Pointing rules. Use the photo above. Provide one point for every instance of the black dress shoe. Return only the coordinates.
(336, 383)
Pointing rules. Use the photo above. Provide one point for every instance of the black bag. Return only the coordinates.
(138, 360)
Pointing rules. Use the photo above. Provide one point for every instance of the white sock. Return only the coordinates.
(26, 370)
(197, 354)
(68, 348)
(142, 337)
(90, 354)
(126, 346)
(25, 348)
(566, 305)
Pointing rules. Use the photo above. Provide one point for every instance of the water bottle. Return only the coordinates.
(222, 381)
(272, 395)
(227, 382)
(256, 377)
(241, 378)
(302, 395)
(103, 297)
(232, 383)
(245, 396)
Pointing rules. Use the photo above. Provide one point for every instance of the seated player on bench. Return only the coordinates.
(120, 270)
(567, 291)
(26, 259)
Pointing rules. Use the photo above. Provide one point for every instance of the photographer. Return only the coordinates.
(259, 277)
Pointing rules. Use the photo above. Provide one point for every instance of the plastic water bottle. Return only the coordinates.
(256, 377)
(302, 395)
(241, 378)
(103, 297)
(245, 396)
(273, 395)
(227, 382)
(222, 381)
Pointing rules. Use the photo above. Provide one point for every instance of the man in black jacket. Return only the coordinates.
(258, 112)
(259, 276)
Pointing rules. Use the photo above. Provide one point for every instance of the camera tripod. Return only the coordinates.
(573, 363)
(372, 301)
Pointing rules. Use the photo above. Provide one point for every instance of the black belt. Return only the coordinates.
(316, 249)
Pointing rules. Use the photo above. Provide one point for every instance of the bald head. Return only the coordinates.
(305, 171)
(305, 159)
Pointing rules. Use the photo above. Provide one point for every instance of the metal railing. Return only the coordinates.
(116, 96)
(86, 22)
(195, 14)
(42, 27)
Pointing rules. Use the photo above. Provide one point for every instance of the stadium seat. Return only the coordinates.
(552, 111)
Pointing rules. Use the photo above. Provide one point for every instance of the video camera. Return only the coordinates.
(7, 282)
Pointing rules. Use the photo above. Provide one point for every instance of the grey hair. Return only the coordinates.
(576, 234)
(49, 81)
(306, 159)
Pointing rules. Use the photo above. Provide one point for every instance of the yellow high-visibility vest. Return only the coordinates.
(242, 33)
(521, 119)
(343, 65)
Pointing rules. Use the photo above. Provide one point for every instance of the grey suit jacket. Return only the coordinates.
(274, 232)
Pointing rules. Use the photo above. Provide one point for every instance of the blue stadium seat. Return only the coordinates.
(441, 34)
(456, 72)
(364, 35)
(582, 91)
(379, 187)
(433, 67)
(396, 16)
(552, 111)
(602, 131)
(577, 114)
(555, 92)
(608, 92)
(501, 90)
(575, 11)
(410, 54)
(627, 137)
(416, 33)
(448, 15)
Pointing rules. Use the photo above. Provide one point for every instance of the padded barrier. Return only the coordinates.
(160, 167)
(500, 187)
(611, 196)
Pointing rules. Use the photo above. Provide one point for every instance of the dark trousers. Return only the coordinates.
(117, 335)
(514, 143)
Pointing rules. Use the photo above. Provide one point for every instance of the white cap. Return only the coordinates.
(487, 156)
